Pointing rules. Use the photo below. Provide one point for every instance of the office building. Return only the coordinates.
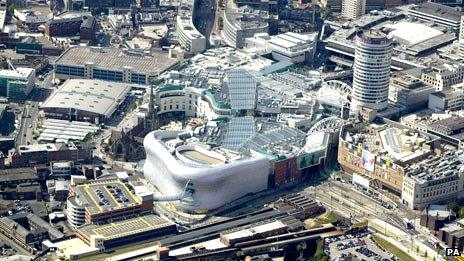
(243, 22)
(17, 84)
(37, 154)
(461, 39)
(191, 40)
(443, 75)
(371, 70)
(28, 230)
(353, 9)
(447, 99)
(408, 91)
(120, 21)
(410, 164)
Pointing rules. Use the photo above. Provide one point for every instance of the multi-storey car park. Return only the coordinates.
(115, 234)
(104, 200)
(124, 66)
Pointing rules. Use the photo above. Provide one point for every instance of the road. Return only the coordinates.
(29, 116)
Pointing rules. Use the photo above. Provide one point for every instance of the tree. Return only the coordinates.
(320, 255)
(11, 9)
(300, 248)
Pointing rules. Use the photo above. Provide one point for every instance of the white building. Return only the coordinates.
(202, 177)
(30, 17)
(432, 181)
(291, 47)
(353, 9)
(442, 76)
(17, 83)
(371, 67)
(75, 212)
(241, 23)
(190, 101)
(118, 21)
(188, 36)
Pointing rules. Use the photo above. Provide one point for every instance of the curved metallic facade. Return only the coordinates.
(213, 186)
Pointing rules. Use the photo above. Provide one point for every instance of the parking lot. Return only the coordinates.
(359, 246)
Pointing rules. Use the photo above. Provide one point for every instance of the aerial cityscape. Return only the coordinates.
(232, 130)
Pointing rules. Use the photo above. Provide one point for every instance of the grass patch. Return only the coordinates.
(392, 249)
(326, 218)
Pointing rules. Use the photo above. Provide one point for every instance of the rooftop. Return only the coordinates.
(153, 64)
(438, 10)
(105, 195)
(125, 228)
(96, 96)
(20, 73)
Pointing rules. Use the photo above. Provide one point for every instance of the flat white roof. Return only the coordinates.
(95, 96)
(413, 33)
(18, 73)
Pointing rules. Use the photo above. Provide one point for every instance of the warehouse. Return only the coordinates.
(85, 100)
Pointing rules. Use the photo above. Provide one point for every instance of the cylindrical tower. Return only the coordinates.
(371, 70)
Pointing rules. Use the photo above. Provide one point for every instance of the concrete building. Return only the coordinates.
(409, 91)
(105, 200)
(17, 84)
(85, 100)
(290, 47)
(37, 154)
(31, 17)
(410, 164)
(353, 9)
(461, 39)
(442, 76)
(124, 232)
(125, 66)
(120, 21)
(417, 42)
(447, 99)
(371, 70)
(438, 179)
(437, 13)
(191, 40)
(243, 22)
(28, 230)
